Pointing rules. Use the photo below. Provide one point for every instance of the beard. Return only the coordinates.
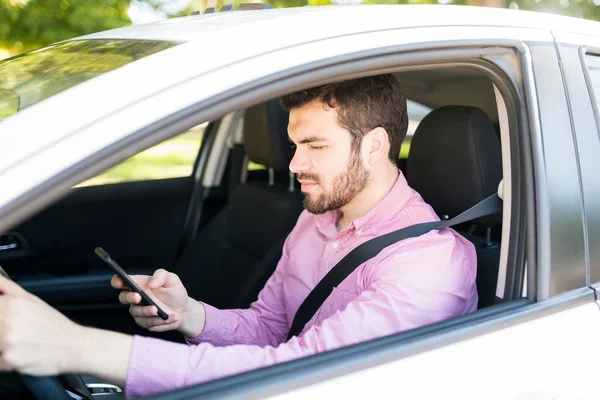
(344, 187)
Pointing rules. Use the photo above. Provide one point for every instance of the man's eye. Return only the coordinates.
(315, 147)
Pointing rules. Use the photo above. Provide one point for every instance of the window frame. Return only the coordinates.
(582, 101)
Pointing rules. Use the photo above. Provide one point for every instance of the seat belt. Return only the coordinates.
(371, 248)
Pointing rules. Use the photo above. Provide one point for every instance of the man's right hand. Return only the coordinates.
(166, 289)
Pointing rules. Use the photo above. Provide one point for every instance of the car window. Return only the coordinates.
(173, 158)
(593, 65)
(31, 77)
(252, 166)
(416, 113)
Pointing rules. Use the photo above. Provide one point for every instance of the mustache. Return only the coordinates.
(308, 177)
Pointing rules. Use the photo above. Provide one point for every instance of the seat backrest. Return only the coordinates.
(455, 161)
(227, 251)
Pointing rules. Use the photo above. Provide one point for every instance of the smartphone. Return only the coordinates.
(132, 285)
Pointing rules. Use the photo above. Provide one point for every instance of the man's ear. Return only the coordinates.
(378, 145)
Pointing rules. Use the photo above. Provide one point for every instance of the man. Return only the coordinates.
(347, 137)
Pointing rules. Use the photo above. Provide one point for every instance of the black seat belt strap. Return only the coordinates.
(371, 248)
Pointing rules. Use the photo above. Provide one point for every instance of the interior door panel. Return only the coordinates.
(138, 223)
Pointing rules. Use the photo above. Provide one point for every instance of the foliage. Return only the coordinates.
(40, 74)
(29, 24)
(575, 8)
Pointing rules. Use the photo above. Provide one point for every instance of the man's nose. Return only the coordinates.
(299, 163)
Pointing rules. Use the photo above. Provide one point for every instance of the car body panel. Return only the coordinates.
(573, 48)
(564, 241)
(526, 361)
(332, 21)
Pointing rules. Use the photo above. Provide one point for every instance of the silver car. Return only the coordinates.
(81, 119)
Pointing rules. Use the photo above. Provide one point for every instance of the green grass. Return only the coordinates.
(404, 149)
(252, 166)
(170, 159)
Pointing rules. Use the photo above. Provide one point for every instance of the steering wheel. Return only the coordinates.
(45, 387)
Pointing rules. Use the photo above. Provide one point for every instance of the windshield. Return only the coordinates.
(34, 76)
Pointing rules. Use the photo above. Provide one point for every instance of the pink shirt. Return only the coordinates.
(413, 283)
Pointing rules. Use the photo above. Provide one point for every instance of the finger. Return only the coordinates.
(157, 321)
(117, 282)
(163, 278)
(143, 311)
(9, 287)
(172, 280)
(162, 328)
(158, 325)
(159, 278)
(129, 298)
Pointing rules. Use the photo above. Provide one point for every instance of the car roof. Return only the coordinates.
(212, 43)
(326, 21)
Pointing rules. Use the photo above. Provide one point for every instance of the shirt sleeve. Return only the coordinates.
(400, 296)
(264, 323)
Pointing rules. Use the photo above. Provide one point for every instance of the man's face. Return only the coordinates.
(330, 171)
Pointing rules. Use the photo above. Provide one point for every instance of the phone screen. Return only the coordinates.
(100, 252)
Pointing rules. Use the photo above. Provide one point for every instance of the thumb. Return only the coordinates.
(163, 278)
(159, 278)
(9, 287)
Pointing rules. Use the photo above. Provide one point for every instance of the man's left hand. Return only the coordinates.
(35, 339)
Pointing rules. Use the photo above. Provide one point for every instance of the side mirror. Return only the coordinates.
(9, 103)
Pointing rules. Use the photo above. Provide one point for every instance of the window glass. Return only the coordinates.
(173, 158)
(31, 77)
(416, 113)
(252, 166)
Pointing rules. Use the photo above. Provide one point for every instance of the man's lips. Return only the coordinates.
(306, 183)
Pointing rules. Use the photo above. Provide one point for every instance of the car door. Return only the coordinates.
(536, 343)
(542, 350)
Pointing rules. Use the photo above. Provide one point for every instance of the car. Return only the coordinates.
(499, 101)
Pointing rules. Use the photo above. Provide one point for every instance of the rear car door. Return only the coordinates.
(580, 56)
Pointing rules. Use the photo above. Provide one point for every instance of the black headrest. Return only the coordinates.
(265, 135)
(455, 160)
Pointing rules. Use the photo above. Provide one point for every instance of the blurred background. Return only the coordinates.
(30, 24)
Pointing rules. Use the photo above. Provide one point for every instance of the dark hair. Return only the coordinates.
(363, 104)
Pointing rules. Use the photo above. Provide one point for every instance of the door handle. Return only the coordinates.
(9, 246)
(11, 243)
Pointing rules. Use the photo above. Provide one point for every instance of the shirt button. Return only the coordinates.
(335, 244)
(358, 232)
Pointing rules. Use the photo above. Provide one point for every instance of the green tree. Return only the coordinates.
(29, 24)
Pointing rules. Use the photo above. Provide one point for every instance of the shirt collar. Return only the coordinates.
(385, 210)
